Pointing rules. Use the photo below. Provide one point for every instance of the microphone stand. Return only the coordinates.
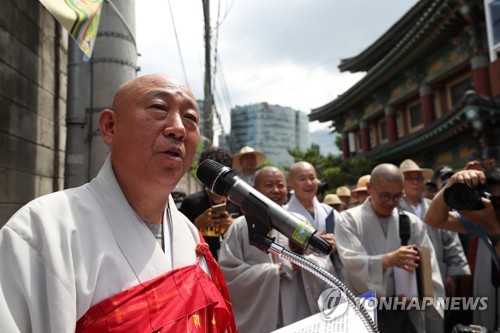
(258, 236)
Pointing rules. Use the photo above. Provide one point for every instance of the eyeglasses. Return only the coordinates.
(415, 179)
(386, 197)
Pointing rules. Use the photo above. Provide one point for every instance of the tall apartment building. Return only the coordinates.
(272, 129)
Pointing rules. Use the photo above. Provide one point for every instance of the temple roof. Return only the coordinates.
(437, 20)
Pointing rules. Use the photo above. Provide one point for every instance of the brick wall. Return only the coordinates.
(33, 80)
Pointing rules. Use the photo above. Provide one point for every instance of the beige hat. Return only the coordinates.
(332, 199)
(361, 186)
(343, 191)
(259, 157)
(409, 165)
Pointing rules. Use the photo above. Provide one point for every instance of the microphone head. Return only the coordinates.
(216, 176)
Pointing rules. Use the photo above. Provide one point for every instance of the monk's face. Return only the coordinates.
(304, 182)
(153, 130)
(273, 185)
(384, 196)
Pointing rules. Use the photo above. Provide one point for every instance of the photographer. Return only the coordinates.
(485, 222)
(481, 218)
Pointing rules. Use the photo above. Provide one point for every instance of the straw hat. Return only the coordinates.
(343, 191)
(332, 199)
(409, 165)
(361, 186)
(259, 157)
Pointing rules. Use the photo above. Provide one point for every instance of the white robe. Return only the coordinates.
(64, 252)
(361, 243)
(321, 212)
(262, 300)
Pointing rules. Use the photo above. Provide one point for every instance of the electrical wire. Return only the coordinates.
(228, 9)
(225, 91)
(216, 62)
(178, 45)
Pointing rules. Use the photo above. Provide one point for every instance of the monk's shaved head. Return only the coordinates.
(386, 171)
(385, 188)
(271, 182)
(300, 166)
(268, 170)
(127, 93)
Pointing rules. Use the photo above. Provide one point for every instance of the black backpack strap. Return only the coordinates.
(404, 228)
(330, 223)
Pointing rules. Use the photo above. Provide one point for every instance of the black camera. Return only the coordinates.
(461, 196)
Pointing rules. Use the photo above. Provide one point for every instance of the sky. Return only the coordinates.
(283, 52)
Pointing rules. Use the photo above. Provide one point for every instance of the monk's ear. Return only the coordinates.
(107, 122)
(368, 188)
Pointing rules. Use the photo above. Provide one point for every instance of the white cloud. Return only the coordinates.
(280, 51)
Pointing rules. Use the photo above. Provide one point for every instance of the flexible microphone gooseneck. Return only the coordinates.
(224, 181)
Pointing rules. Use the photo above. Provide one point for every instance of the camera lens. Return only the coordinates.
(460, 196)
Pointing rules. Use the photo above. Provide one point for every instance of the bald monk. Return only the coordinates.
(370, 248)
(116, 254)
(303, 180)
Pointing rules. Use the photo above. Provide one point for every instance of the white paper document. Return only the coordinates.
(405, 283)
(348, 322)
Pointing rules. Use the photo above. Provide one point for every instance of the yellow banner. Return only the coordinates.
(79, 17)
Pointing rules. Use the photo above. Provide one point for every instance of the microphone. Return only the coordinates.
(224, 181)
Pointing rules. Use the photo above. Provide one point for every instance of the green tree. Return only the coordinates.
(333, 169)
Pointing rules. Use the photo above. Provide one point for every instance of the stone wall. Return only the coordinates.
(33, 83)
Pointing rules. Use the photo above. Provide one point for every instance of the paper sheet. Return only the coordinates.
(349, 322)
(405, 283)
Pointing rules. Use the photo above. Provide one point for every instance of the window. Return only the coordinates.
(373, 138)
(492, 11)
(383, 131)
(358, 143)
(352, 142)
(399, 124)
(458, 89)
(415, 113)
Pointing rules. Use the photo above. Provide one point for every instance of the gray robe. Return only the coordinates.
(362, 244)
(484, 288)
(449, 253)
(261, 300)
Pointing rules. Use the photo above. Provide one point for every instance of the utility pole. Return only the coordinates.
(208, 102)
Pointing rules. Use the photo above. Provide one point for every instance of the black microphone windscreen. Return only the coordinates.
(216, 177)
(208, 171)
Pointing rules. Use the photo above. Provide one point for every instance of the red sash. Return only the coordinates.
(182, 300)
